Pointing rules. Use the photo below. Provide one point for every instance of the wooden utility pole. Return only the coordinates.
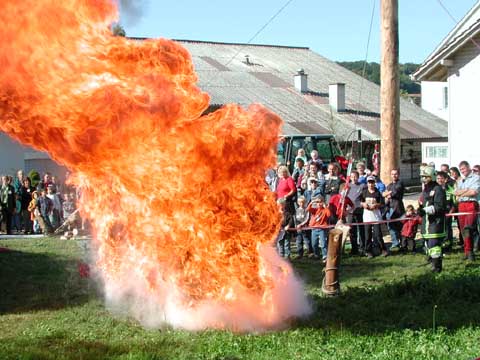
(389, 90)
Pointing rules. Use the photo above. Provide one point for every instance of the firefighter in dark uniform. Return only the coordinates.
(433, 207)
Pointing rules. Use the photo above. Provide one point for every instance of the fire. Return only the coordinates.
(183, 225)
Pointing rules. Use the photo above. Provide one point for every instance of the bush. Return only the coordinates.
(34, 177)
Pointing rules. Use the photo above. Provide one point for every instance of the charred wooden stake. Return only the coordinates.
(331, 283)
(69, 221)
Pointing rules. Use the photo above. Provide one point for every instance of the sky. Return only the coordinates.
(336, 29)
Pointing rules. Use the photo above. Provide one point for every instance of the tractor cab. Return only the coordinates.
(288, 146)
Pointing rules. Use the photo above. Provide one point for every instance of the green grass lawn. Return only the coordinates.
(385, 311)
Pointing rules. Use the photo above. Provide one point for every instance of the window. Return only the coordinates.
(436, 152)
(445, 97)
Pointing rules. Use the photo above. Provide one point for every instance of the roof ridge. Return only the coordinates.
(453, 33)
(224, 43)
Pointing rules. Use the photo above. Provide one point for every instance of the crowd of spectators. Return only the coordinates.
(35, 206)
(314, 196)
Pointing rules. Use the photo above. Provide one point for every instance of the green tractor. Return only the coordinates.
(288, 146)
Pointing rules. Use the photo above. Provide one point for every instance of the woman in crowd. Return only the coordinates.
(25, 195)
(286, 189)
(371, 201)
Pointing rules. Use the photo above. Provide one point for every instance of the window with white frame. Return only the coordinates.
(436, 152)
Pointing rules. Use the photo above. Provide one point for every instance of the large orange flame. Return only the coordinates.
(183, 224)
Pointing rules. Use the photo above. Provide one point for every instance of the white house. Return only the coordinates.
(435, 98)
(450, 79)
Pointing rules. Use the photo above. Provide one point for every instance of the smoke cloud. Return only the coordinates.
(132, 11)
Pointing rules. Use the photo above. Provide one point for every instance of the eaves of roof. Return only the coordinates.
(434, 62)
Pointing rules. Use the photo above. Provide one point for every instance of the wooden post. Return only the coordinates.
(331, 283)
(389, 90)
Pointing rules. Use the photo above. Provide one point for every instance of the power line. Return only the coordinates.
(448, 12)
(259, 31)
(364, 68)
(455, 21)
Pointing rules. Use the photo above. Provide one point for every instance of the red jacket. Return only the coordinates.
(318, 216)
(409, 229)
(335, 206)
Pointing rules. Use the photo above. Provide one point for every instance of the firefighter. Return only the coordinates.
(433, 206)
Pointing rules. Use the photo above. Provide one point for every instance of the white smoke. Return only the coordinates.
(128, 296)
(132, 11)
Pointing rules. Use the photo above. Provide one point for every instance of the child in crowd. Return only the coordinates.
(45, 206)
(409, 229)
(314, 190)
(319, 215)
(68, 207)
(55, 213)
(301, 219)
(31, 208)
(283, 238)
(35, 215)
(301, 154)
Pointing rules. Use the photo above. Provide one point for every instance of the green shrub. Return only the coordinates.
(34, 177)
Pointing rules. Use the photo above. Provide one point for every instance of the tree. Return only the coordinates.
(372, 73)
(34, 178)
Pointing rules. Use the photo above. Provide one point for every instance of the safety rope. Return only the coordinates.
(459, 214)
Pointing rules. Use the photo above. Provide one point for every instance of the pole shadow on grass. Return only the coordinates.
(401, 304)
(34, 281)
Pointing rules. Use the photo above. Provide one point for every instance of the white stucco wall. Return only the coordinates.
(14, 156)
(11, 155)
(464, 124)
(433, 98)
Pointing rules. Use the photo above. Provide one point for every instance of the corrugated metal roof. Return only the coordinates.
(416, 128)
(214, 63)
(270, 81)
(310, 128)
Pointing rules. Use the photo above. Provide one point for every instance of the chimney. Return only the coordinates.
(300, 81)
(336, 96)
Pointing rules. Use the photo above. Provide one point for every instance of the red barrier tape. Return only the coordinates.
(379, 221)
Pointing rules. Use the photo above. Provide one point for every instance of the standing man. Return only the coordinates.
(332, 181)
(298, 173)
(445, 168)
(433, 206)
(17, 216)
(7, 200)
(395, 208)
(362, 174)
(443, 179)
(356, 216)
(468, 189)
